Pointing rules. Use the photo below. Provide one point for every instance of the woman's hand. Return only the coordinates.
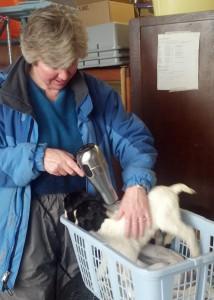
(61, 163)
(135, 209)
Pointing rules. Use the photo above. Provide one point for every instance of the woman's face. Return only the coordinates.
(52, 79)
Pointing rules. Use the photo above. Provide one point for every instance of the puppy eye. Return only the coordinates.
(93, 207)
(90, 208)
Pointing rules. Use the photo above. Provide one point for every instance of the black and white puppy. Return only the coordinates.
(90, 213)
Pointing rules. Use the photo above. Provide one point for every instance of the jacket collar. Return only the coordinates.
(14, 92)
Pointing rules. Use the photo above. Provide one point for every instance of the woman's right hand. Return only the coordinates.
(61, 163)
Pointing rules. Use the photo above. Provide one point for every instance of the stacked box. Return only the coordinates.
(108, 45)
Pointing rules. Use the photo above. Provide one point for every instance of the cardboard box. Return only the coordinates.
(94, 12)
(124, 1)
(71, 3)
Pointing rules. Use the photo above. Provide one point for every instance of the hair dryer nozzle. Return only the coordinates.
(92, 162)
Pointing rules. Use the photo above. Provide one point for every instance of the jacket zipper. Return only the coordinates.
(4, 281)
(6, 275)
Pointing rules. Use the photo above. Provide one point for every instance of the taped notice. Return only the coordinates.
(177, 63)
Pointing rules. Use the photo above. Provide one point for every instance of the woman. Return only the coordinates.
(48, 110)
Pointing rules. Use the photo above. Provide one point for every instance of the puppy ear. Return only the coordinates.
(74, 199)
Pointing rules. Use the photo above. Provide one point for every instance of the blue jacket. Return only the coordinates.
(102, 120)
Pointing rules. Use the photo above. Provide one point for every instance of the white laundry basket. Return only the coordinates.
(120, 279)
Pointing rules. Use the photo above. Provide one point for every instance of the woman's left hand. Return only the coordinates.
(135, 209)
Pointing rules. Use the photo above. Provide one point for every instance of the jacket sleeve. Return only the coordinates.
(131, 141)
(21, 157)
(21, 164)
(132, 144)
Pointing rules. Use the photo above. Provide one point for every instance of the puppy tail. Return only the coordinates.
(180, 187)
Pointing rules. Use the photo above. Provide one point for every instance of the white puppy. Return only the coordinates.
(166, 216)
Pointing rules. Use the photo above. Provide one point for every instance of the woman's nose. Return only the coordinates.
(63, 74)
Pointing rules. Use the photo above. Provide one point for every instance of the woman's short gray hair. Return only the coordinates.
(55, 36)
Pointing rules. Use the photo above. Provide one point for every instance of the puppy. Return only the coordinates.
(90, 213)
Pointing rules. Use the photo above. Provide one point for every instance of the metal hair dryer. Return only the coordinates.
(92, 162)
